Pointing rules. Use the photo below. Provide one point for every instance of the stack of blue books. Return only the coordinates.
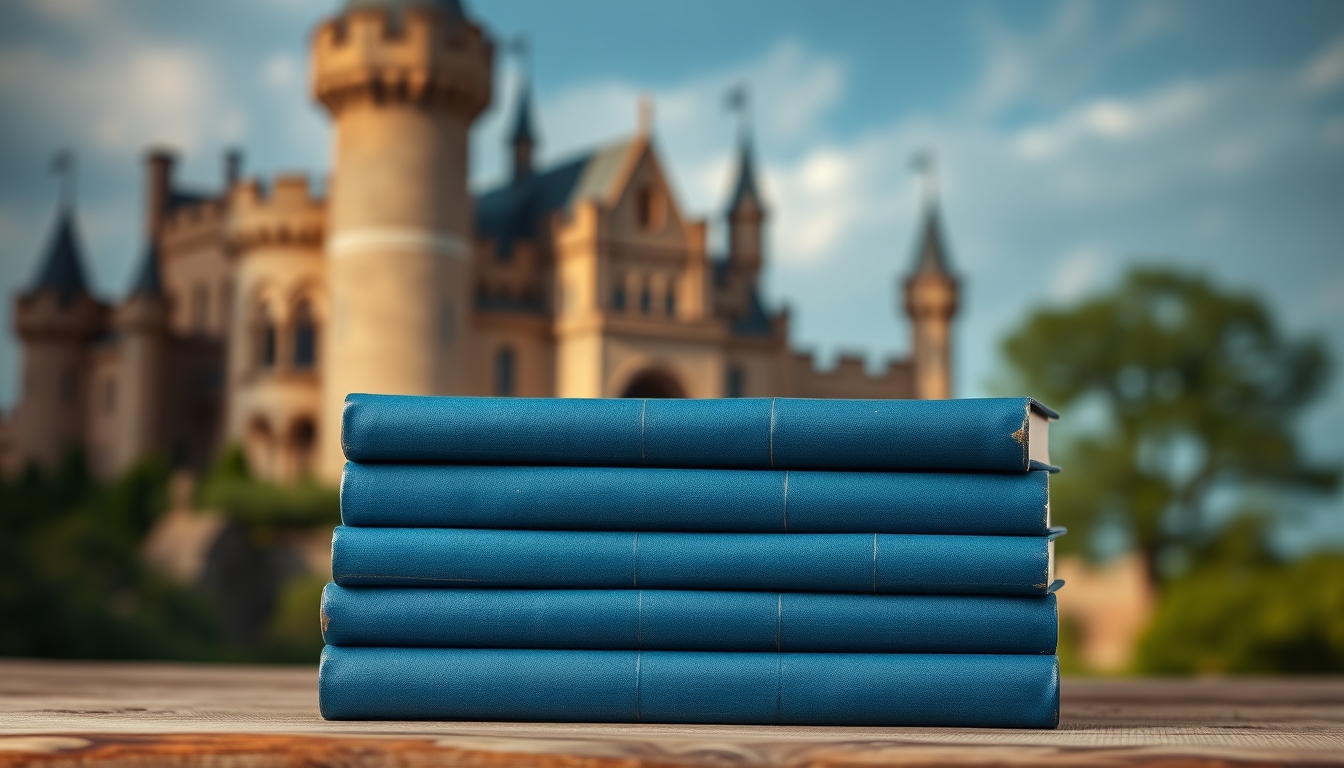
(743, 561)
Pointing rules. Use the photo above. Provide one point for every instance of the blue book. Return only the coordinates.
(990, 435)
(878, 689)
(738, 500)
(772, 562)
(657, 620)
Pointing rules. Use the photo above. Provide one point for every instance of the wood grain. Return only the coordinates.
(83, 714)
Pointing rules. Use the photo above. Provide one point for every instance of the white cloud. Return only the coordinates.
(113, 95)
(1077, 273)
(1325, 71)
(281, 70)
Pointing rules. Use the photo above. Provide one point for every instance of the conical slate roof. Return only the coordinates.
(522, 119)
(931, 252)
(746, 178)
(148, 279)
(61, 269)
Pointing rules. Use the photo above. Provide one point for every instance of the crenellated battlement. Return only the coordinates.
(287, 213)
(850, 378)
(195, 221)
(416, 57)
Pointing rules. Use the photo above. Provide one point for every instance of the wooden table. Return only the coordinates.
(83, 713)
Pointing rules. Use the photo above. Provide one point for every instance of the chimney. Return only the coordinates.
(159, 166)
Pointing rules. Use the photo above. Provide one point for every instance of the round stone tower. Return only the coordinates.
(403, 81)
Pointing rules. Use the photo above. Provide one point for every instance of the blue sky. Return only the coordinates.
(1072, 139)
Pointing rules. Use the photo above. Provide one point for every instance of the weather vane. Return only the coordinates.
(735, 100)
(63, 165)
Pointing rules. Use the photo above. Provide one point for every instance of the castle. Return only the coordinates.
(258, 307)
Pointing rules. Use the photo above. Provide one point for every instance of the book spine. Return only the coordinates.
(965, 435)
(644, 499)
(773, 562)
(950, 690)
(687, 621)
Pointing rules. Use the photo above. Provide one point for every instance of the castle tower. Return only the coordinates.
(930, 293)
(55, 320)
(278, 328)
(403, 81)
(142, 322)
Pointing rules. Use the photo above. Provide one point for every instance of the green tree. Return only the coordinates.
(1184, 398)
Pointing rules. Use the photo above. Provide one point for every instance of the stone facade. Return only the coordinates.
(259, 306)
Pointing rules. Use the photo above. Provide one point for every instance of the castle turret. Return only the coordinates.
(522, 139)
(55, 319)
(141, 322)
(930, 293)
(403, 81)
(746, 215)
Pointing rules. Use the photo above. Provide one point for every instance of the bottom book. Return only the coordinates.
(968, 690)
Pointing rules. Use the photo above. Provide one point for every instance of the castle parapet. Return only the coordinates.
(850, 378)
(417, 56)
(192, 222)
(286, 214)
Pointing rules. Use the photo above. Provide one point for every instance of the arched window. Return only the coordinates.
(305, 337)
(266, 340)
(618, 298)
(304, 441)
(645, 299)
(670, 301)
(504, 364)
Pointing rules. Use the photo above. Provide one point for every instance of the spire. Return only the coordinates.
(61, 269)
(746, 165)
(931, 251)
(523, 137)
(522, 118)
(148, 279)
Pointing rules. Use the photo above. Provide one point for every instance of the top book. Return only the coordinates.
(978, 435)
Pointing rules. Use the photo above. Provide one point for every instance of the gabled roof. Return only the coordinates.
(931, 252)
(516, 210)
(61, 269)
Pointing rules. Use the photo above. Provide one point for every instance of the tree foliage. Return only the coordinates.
(1186, 397)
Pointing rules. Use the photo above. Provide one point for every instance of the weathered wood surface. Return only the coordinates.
(80, 713)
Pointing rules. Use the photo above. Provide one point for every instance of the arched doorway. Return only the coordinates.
(650, 384)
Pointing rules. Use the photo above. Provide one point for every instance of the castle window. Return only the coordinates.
(504, 372)
(305, 337)
(266, 341)
(649, 209)
(670, 301)
(645, 299)
(618, 298)
(200, 309)
(736, 385)
(304, 441)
